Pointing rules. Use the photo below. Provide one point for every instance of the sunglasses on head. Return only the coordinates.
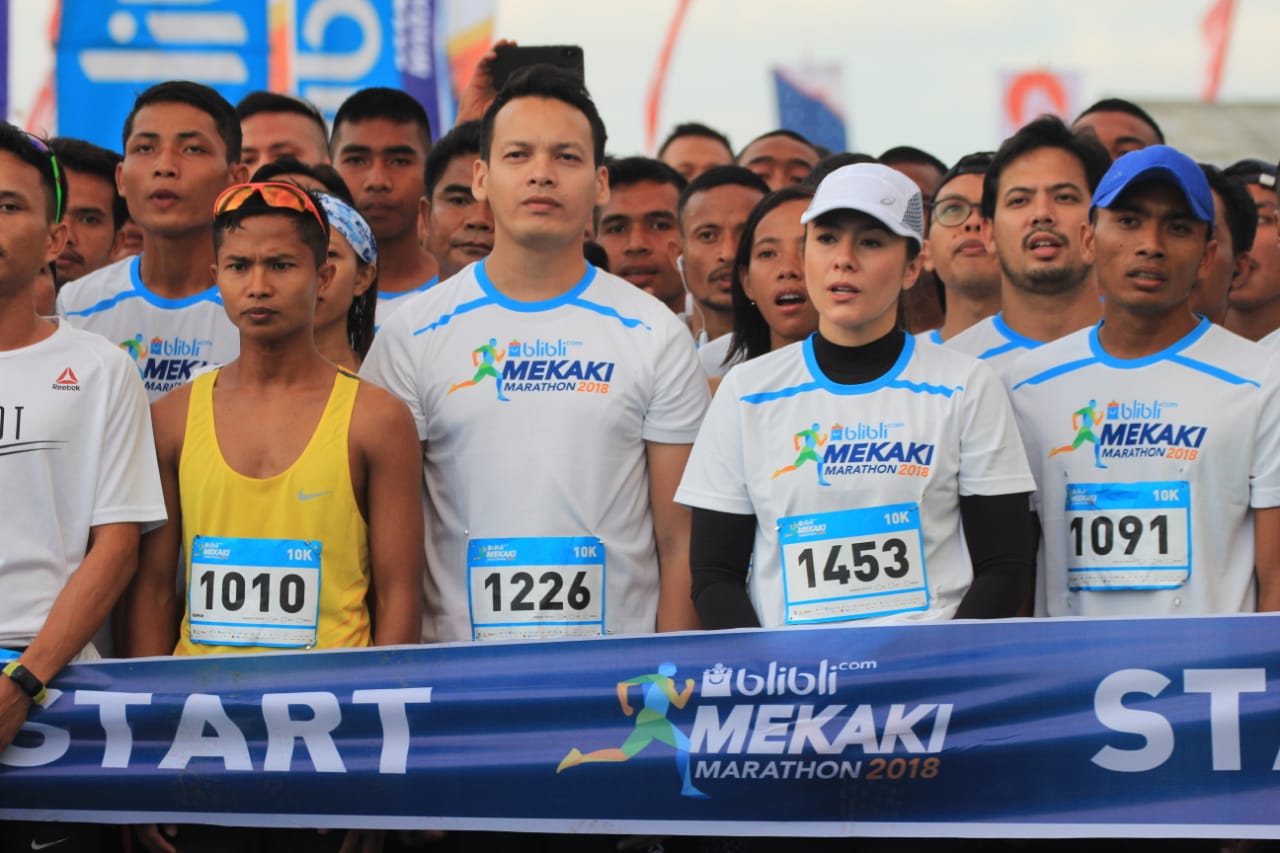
(274, 193)
(40, 145)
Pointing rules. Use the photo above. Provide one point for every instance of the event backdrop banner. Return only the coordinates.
(1018, 728)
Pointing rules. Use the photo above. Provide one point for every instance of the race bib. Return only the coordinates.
(254, 592)
(536, 587)
(853, 564)
(1128, 535)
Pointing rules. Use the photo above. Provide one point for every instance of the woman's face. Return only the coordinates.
(350, 279)
(774, 280)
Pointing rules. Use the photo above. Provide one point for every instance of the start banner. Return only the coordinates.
(1022, 728)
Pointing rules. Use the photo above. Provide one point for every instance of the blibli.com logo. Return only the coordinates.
(1134, 429)
(535, 366)
(777, 679)
(166, 363)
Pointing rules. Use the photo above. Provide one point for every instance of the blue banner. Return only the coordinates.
(805, 108)
(1148, 728)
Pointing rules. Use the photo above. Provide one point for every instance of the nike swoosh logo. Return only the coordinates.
(37, 846)
(303, 496)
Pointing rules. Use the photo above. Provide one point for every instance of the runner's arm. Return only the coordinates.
(153, 608)
(77, 612)
(393, 490)
(671, 531)
(1266, 560)
(997, 529)
(719, 553)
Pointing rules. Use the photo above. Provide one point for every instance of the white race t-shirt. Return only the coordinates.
(711, 356)
(933, 336)
(993, 342)
(535, 417)
(169, 340)
(389, 303)
(856, 486)
(1271, 340)
(76, 451)
(1147, 470)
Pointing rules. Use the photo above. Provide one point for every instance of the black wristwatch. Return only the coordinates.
(27, 680)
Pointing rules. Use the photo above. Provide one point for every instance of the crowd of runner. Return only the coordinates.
(267, 384)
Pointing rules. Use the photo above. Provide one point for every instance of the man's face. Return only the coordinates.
(381, 161)
(1149, 249)
(175, 165)
(268, 277)
(955, 248)
(1042, 203)
(1209, 296)
(713, 221)
(270, 136)
(693, 155)
(541, 181)
(28, 240)
(1119, 133)
(640, 234)
(91, 230)
(460, 227)
(780, 160)
(1264, 258)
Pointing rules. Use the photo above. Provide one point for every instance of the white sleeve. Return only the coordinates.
(992, 459)
(716, 476)
(127, 488)
(680, 388)
(1264, 477)
(391, 364)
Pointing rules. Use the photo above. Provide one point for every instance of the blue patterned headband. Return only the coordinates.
(350, 224)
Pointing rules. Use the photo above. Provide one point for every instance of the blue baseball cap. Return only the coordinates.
(1157, 163)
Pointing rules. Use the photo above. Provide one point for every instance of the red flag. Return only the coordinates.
(1216, 27)
(660, 76)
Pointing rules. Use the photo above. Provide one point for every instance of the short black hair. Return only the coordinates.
(546, 81)
(750, 331)
(901, 154)
(312, 232)
(196, 95)
(693, 128)
(1044, 132)
(827, 165)
(782, 131)
(81, 156)
(977, 163)
(19, 143)
(274, 102)
(1120, 105)
(463, 140)
(1241, 212)
(381, 102)
(322, 173)
(625, 171)
(721, 176)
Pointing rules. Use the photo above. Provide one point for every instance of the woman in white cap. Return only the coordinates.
(841, 470)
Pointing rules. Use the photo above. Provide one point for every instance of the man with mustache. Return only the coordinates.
(713, 212)
(638, 228)
(1035, 204)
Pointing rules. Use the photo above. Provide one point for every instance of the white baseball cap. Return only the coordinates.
(876, 190)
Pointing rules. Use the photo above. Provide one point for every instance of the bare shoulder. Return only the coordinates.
(169, 418)
(379, 415)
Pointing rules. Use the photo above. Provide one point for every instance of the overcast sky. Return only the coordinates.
(919, 72)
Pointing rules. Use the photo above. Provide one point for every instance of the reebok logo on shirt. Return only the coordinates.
(66, 381)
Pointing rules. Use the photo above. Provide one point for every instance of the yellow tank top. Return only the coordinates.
(275, 563)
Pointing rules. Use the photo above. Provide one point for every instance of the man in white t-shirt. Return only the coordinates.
(556, 403)
(1035, 200)
(1155, 435)
(181, 148)
(78, 461)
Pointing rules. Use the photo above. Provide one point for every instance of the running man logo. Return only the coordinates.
(1130, 430)
(659, 691)
(806, 443)
(536, 366)
(137, 351)
(485, 358)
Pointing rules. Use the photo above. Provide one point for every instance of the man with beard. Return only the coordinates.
(1035, 204)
